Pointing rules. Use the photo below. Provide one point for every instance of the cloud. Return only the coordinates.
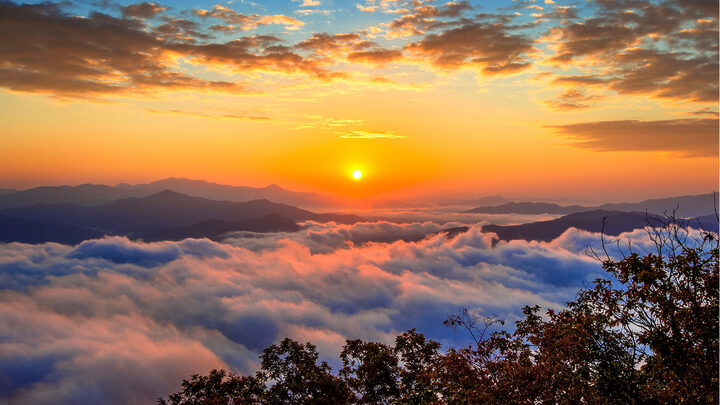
(573, 99)
(255, 53)
(311, 11)
(705, 111)
(694, 137)
(142, 10)
(376, 57)
(424, 17)
(115, 321)
(579, 80)
(239, 116)
(366, 9)
(50, 357)
(48, 51)
(351, 46)
(328, 237)
(668, 75)
(360, 134)
(331, 43)
(488, 47)
(84, 56)
(666, 51)
(243, 22)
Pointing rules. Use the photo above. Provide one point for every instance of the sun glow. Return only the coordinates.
(357, 174)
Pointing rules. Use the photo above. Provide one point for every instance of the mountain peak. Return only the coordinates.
(273, 187)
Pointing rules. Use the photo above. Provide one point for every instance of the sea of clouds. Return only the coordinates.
(117, 321)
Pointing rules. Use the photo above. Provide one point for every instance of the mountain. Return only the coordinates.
(85, 194)
(166, 209)
(213, 228)
(687, 206)
(220, 192)
(94, 194)
(532, 208)
(4, 191)
(32, 231)
(451, 232)
(616, 222)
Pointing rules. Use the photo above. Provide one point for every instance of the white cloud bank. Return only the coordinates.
(115, 321)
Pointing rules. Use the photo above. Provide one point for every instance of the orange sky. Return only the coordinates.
(566, 105)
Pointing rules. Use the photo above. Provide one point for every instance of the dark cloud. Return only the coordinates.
(694, 137)
(377, 57)
(564, 14)
(45, 50)
(424, 17)
(324, 42)
(259, 52)
(667, 75)
(351, 46)
(667, 50)
(180, 30)
(705, 111)
(142, 10)
(698, 8)
(580, 80)
(489, 47)
(573, 99)
(111, 250)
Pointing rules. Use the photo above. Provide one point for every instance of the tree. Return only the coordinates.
(371, 370)
(217, 388)
(668, 306)
(298, 378)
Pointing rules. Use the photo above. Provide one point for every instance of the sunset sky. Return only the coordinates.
(597, 100)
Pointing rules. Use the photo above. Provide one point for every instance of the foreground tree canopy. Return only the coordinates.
(646, 335)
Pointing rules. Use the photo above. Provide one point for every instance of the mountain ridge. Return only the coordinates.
(165, 209)
(686, 206)
(611, 223)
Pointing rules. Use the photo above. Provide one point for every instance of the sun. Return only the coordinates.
(357, 174)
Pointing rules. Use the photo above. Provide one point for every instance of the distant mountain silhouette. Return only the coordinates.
(531, 208)
(85, 194)
(166, 209)
(94, 194)
(4, 191)
(705, 222)
(220, 192)
(31, 231)
(687, 206)
(213, 228)
(616, 223)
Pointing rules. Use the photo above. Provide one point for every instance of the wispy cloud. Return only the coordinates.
(240, 116)
(359, 134)
(693, 137)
